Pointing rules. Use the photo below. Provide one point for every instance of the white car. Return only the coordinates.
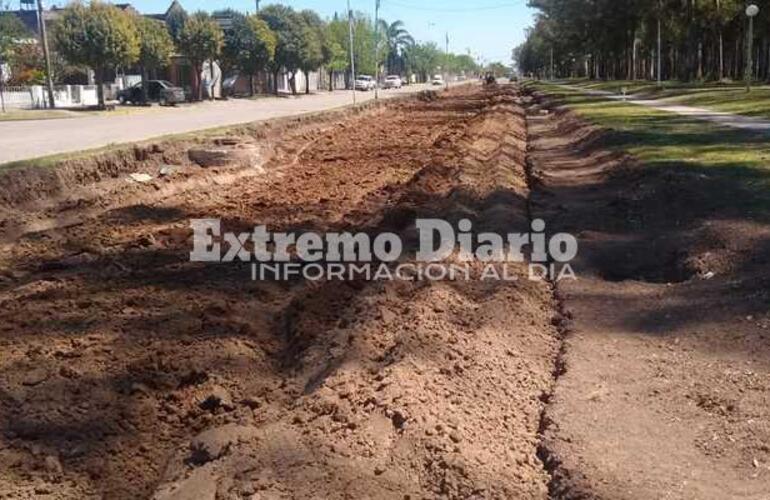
(437, 80)
(365, 83)
(392, 82)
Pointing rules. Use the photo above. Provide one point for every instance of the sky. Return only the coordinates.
(488, 28)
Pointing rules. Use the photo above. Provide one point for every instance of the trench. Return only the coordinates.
(551, 463)
(572, 189)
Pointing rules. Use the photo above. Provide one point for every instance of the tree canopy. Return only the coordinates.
(701, 39)
(423, 59)
(314, 48)
(288, 26)
(201, 40)
(396, 40)
(156, 45)
(99, 36)
(12, 33)
(249, 45)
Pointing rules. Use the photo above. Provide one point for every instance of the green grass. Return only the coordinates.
(639, 87)
(739, 158)
(56, 114)
(19, 115)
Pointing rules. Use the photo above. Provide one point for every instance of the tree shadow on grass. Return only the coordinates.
(669, 221)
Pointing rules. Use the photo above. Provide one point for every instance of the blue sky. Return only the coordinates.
(489, 28)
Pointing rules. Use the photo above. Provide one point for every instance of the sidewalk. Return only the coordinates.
(718, 117)
(23, 140)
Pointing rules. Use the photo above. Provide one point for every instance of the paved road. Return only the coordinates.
(22, 140)
(718, 117)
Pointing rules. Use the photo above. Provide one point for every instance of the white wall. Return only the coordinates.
(36, 96)
(283, 82)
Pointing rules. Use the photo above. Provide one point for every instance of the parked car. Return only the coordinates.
(160, 91)
(365, 83)
(392, 82)
(437, 80)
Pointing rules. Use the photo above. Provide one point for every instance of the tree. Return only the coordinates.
(423, 59)
(12, 33)
(156, 48)
(700, 39)
(396, 40)
(249, 45)
(459, 64)
(498, 69)
(201, 40)
(338, 59)
(288, 27)
(313, 50)
(363, 42)
(99, 36)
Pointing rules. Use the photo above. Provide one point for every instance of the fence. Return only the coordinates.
(36, 96)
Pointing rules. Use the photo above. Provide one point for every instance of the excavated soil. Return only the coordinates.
(129, 372)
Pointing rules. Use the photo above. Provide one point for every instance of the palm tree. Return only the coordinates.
(395, 39)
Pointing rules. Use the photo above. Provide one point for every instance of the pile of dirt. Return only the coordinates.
(129, 372)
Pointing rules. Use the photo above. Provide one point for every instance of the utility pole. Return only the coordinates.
(447, 60)
(352, 56)
(751, 11)
(376, 49)
(257, 5)
(46, 53)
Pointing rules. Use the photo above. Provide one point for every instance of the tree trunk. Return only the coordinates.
(99, 74)
(211, 82)
(145, 85)
(293, 83)
(251, 85)
(721, 56)
(700, 61)
(307, 82)
(767, 68)
(195, 79)
(275, 81)
(2, 89)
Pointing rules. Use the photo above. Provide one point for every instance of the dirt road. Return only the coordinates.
(130, 372)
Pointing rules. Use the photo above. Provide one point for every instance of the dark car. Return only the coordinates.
(160, 91)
